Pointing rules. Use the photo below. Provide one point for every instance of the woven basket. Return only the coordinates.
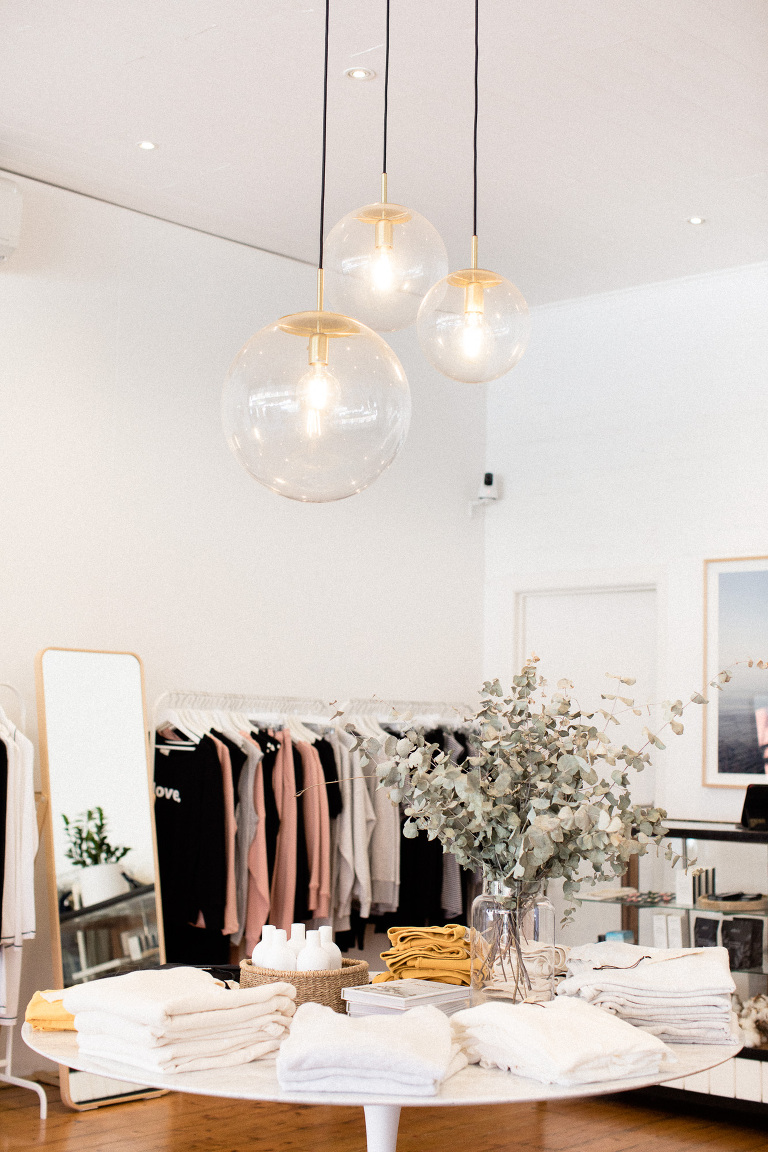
(320, 987)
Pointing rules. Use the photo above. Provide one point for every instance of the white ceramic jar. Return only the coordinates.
(298, 938)
(328, 945)
(267, 933)
(313, 957)
(278, 956)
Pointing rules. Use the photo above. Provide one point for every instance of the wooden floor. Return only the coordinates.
(177, 1123)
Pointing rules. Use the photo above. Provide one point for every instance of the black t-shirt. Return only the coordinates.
(191, 845)
(331, 774)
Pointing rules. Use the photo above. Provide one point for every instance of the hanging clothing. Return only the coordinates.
(191, 850)
(246, 819)
(257, 902)
(301, 907)
(17, 907)
(344, 853)
(330, 768)
(230, 832)
(283, 890)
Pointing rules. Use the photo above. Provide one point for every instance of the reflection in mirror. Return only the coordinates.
(100, 832)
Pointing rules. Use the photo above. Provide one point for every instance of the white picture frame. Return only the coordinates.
(735, 631)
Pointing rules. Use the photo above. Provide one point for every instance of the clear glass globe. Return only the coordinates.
(316, 406)
(380, 262)
(473, 326)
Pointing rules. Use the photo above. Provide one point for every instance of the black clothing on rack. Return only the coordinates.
(331, 774)
(237, 757)
(269, 747)
(301, 898)
(189, 817)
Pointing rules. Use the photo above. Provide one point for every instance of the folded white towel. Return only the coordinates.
(681, 994)
(185, 1043)
(155, 996)
(562, 1042)
(158, 1060)
(190, 1026)
(415, 1047)
(342, 1080)
(647, 973)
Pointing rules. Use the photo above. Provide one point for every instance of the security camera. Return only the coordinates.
(488, 489)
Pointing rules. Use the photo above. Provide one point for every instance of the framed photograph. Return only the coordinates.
(736, 629)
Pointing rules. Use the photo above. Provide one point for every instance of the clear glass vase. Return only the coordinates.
(512, 944)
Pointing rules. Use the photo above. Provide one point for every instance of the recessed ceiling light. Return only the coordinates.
(696, 220)
(360, 73)
(147, 145)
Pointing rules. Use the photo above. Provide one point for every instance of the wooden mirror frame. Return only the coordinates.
(47, 836)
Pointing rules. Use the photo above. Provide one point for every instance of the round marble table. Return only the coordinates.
(473, 1085)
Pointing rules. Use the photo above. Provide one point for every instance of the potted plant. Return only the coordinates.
(89, 849)
(546, 793)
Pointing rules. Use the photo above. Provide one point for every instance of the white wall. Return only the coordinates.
(632, 441)
(127, 524)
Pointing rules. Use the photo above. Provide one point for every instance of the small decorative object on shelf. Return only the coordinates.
(527, 807)
(102, 877)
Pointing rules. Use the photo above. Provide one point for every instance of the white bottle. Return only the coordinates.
(298, 938)
(313, 958)
(327, 944)
(278, 956)
(267, 933)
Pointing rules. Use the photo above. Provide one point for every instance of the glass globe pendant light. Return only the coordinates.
(382, 259)
(473, 326)
(316, 405)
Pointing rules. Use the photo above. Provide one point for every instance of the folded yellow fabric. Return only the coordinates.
(439, 976)
(435, 953)
(433, 962)
(49, 1015)
(416, 937)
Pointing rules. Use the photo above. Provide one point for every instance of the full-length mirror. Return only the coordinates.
(100, 832)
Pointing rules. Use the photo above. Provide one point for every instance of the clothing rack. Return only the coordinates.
(311, 711)
(20, 704)
(6, 1062)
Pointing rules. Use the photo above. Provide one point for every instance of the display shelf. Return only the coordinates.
(673, 907)
(713, 830)
(91, 911)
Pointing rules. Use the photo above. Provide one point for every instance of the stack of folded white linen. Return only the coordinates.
(179, 1019)
(545, 965)
(682, 995)
(409, 1054)
(561, 1042)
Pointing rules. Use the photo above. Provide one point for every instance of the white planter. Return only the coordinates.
(101, 882)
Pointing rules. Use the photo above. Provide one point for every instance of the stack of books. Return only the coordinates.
(400, 995)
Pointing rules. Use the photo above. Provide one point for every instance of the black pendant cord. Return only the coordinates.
(325, 133)
(386, 94)
(474, 170)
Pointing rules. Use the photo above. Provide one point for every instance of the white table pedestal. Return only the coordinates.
(381, 1124)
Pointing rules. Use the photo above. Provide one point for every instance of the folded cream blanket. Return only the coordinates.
(646, 973)
(190, 1026)
(379, 1083)
(565, 1041)
(160, 1060)
(182, 1043)
(681, 995)
(154, 997)
(325, 1051)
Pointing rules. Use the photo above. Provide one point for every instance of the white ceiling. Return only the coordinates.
(604, 124)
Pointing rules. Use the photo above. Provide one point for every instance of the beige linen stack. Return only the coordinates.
(179, 1020)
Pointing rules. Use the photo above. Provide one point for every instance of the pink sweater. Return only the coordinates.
(284, 875)
(257, 906)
